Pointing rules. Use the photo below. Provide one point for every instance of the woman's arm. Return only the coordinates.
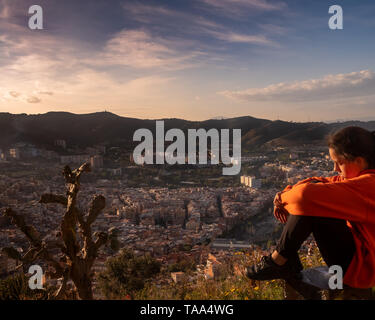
(279, 210)
(336, 178)
(343, 200)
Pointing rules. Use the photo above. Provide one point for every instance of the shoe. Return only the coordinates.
(267, 269)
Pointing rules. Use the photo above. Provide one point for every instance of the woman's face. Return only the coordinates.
(347, 169)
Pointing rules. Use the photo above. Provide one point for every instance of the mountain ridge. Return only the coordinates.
(105, 127)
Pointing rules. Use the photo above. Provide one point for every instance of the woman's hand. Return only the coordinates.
(279, 211)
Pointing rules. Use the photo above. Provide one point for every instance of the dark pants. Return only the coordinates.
(333, 237)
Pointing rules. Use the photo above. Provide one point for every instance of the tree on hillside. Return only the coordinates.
(77, 245)
(127, 273)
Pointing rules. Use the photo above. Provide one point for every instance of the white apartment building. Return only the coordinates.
(251, 182)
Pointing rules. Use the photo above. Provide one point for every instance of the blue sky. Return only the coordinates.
(195, 59)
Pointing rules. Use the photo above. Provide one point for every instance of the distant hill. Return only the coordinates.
(105, 127)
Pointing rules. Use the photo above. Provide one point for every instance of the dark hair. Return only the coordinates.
(352, 142)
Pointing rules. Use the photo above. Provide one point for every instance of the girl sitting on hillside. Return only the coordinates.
(339, 211)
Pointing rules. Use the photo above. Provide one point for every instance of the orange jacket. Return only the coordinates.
(349, 199)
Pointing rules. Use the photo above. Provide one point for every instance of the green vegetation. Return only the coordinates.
(231, 288)
(147, 283)
(16, 287)
(185, 265)
(126, 273)
(226, 286)
(128, 276)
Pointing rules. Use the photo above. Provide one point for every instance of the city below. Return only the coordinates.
(167, 211)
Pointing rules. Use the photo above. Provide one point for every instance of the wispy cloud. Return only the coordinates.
(33, 99)
(51, 70)
(197, 25)
(14, 94)
(241, 38)
(151, 14)
(334, 86)
(49, 93)
(244, 7)
(20, 97)
(139, 49)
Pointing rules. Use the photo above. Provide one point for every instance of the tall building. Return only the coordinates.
(251, 182)
(96, 162)
(15, 153)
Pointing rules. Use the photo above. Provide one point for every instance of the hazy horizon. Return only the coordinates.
(213, 118)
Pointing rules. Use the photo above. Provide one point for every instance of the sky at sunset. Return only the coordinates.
(190, 59)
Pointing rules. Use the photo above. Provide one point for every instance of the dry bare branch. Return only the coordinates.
(78, 253)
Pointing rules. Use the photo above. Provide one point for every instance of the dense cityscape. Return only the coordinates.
(193, 216)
